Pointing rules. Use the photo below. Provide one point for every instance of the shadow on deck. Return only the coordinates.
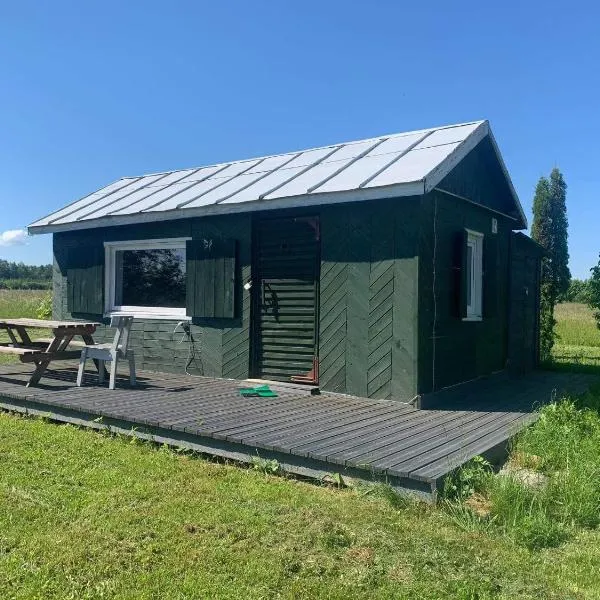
(376, 440)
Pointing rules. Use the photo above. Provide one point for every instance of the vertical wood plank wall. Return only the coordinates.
(463, 350)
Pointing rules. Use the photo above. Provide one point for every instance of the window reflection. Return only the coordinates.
(153, 278)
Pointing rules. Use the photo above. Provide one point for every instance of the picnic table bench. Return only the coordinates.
(43, 351)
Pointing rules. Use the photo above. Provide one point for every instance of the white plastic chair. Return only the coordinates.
(110, 353)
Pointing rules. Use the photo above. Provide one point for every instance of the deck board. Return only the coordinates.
(317, 433)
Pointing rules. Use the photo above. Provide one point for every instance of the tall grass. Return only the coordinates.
(577, 336)
(15, 304)
(576, 326)
(20, 303)
(564, 447)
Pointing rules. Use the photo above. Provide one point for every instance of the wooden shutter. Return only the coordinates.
(211, 268)
(460, 273)
(490, 276)
(85, 280)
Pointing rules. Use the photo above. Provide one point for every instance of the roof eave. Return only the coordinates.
(413, 188)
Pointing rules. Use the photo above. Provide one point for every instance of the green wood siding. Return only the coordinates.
(369, 266)
(524, 305)
(85, 280)
(491, 277)
(222, 344)
(480, 178)
(452, 350)
(376, 301)
(210, 286)
(368, 298)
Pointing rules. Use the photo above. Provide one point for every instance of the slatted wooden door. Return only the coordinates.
(285, 286)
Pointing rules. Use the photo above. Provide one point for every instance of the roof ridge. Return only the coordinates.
(301, 150)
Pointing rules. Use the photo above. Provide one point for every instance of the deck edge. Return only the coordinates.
(289, 463)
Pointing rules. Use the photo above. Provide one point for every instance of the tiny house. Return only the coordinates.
(387, 268)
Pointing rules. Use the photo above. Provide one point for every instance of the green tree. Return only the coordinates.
(550, 230)
(560, 229)
(593, 290)
(578, 292)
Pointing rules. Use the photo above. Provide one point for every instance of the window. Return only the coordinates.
(146, 278)
(474, 275)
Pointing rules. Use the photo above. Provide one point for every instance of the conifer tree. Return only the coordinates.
(549, 229)
(560, 225)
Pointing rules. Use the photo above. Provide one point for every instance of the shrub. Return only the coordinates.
(25, 284)
(594, 292)
(469, 479)
(44, 309)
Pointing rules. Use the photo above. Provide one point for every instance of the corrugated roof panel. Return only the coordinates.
(299, 185)
(348, 151)
(413, 166)
(275, 179)
(278, 178)
(400, 160)
(271, 163)
(218, 179)
(449, 135)
(310, 157)
(377, 159)
(233, 186)
(357, 172)
(164, 194)
(147, 192)
(203, 173)
(87, 200)
(397, 143)
(227, 189)
(108, 199)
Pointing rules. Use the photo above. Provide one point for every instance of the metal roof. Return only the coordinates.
(401, 164)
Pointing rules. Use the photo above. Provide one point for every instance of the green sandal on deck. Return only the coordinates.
(263, 391)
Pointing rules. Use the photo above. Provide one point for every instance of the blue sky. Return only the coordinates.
(92, 91)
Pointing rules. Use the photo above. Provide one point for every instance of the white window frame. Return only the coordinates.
(143, 312)
(475, 307)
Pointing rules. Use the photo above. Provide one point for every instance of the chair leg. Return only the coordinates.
(81, 370)
(101, 371)
(131, 359)
(113, 373)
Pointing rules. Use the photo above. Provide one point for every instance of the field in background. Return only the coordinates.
(18, 303)
(578, 337)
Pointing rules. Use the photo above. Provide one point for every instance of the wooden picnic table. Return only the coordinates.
(42, 352)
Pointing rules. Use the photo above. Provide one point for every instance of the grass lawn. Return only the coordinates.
(578, 337)
(19, 303)
(86, 515)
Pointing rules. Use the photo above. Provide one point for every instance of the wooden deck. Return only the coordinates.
(309, 435)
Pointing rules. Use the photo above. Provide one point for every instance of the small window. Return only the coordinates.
(474, 264)
(146, 278)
